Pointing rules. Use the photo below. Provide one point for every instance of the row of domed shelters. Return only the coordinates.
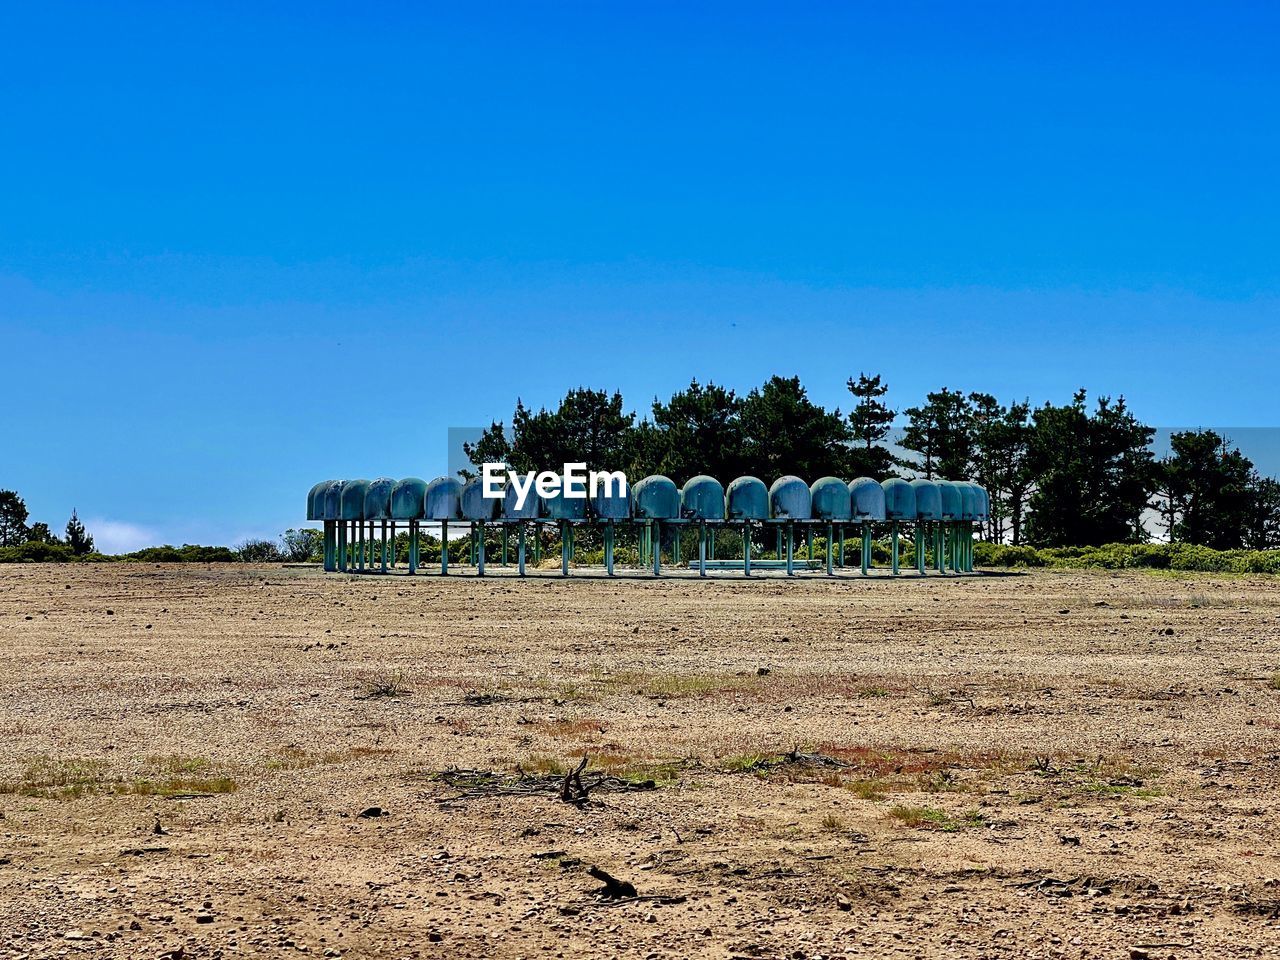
(941, 514)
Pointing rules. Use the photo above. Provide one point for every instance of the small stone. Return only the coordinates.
(844, 903)
(369, 812)
(434, 937)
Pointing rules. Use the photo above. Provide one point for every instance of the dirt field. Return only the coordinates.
(1057, 764)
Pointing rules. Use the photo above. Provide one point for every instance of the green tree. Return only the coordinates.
(1094, 473)
(1001, 452)
(78, 539)
(699, 430)
(301, 546)
(40, 533)
(13, 519)
(941, 433)
(1207, 488)
(869, 424)
(787, 433)
(1262, 531)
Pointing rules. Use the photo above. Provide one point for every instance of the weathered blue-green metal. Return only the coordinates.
(968, 500)
(353, 494)
(612, 501)
(475, 505)
(899, 499)
(531, 509)
(702, 498)
(332, 508)
(984, 503)
(928, 499)
(377, 499)
(561, 507)
(315, 500)
(789, 499)
(748, 499)
(950, 500)
(831, 499)
(443, 499)
(409, 499)
(656, 498)
(867, 499)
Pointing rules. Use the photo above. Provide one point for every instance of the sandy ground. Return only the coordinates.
(1056, 764)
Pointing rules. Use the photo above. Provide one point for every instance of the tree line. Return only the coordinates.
(1069, 474)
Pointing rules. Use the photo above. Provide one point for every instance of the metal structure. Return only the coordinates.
(361, 520)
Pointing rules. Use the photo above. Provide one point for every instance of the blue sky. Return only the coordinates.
(241, 251)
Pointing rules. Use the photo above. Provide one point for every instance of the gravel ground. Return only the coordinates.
(222, 761)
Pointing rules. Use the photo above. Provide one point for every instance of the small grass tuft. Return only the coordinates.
(391, 684)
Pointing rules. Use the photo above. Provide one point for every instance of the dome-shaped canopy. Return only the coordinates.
(702, 498)
(408, 499)
(831, 499)
(331, 509)
(443, 499)
(748, 499)
(867, 498)
(899, 499)
(968, 500)
(612, 501)
(928, 499)
(475, 505)
(950, 500)
(377, 499)
(984, 503)
(561, 507)
(531, 509)
(353, 493)
(789, 499)
(315, 501)
(656, 498)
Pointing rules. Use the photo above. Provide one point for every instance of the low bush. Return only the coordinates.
(1131, 556)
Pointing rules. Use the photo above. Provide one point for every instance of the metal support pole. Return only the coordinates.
(341, 558)
(702, 549)
(537, 544)
(920, 564)
(808, 548)
(840, 534)
(677, 549)
(791, 570)
(360, 548)
(866, 547)
(480, 552)
(520, 549)
(777, 552)
(746, 548)
(328, 545)
(711, 547)
(504, 544)
(444, 548)
(894, 549)
(830, 536)
(655, 541)
(564, 548)
(384, 546)
(608, 549)
(413, 547)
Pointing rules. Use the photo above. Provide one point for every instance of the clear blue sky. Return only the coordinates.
(241, 251)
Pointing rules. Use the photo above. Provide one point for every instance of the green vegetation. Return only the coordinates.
(933, 818)
(72, 778)
(1126, 556)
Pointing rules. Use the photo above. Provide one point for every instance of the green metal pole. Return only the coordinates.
(702, 549)
(830, 537)
(808, 546)
(746, 548)
(504, 544)
(480, 552)
(413, 547)
(608, 549)
(677, 549)
(444, 548)
(841, 535)
(520, 549)
(866, 547)
(920, 547)
(384, 546)
(711, 549)
(894, 550)
(655, 540)
(791, 572)
(360, 540)
(537, 544)
(564, 549)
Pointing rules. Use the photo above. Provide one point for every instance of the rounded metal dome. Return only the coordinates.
(331, 509)
(353, 493)
(560, 507)
(968, 500)
(867, 498)
(377, 499)
(656, 498)
(899, 499)
(950, 500)
(928, 499)
(530, 510)
(789, 499)
(702, 498)
(475, 505)
(315, 500)
(443, 499)
(748, 499)
(408, 499)
(984, 503)
(610, 503)
(831, 500)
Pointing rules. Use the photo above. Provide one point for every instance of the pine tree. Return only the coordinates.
(78, 538)
(869, 424)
